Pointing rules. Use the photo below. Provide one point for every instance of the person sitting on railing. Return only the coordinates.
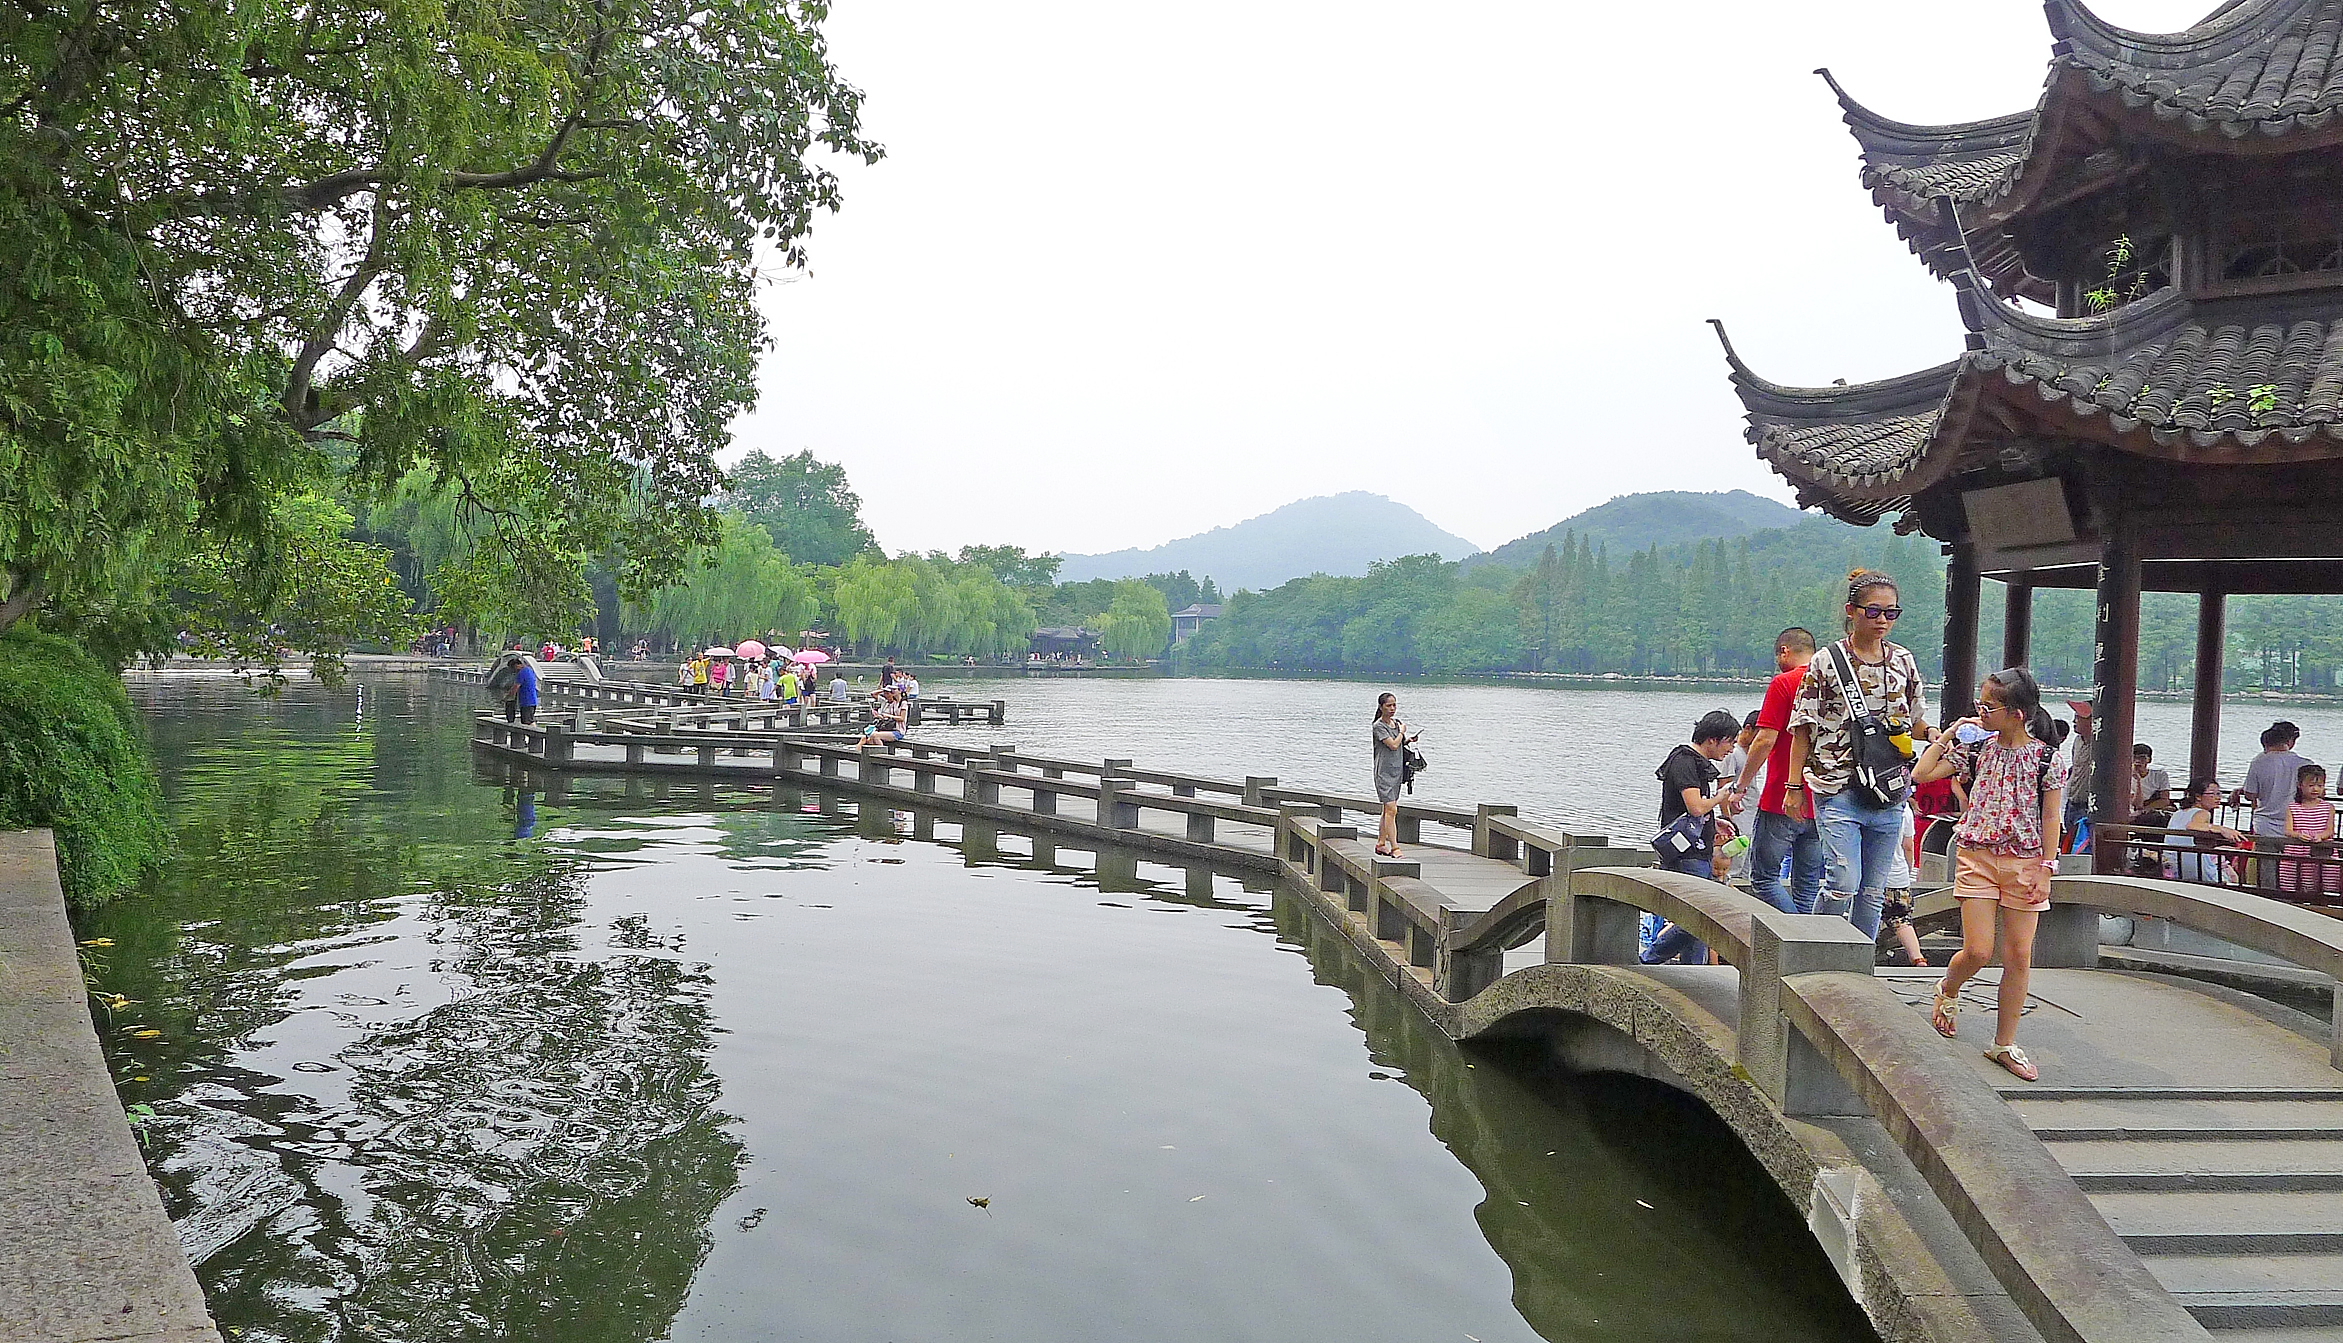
(2310, 830)
(2190, 827)
(888, 716)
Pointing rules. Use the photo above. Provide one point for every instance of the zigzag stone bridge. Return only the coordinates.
(2178, 1173)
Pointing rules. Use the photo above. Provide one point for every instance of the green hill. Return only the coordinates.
(1663, 518)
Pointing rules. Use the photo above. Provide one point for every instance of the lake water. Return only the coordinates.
(1578, 756)
(434, 1060)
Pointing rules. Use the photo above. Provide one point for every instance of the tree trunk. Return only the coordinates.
(24, 594)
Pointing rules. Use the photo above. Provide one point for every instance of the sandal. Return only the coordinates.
(1382, 848)
(2014, 1059)
(1947, 1015)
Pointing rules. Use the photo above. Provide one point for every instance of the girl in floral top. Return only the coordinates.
(2007, 839)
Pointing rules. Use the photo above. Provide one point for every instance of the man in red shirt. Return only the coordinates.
(1780, 834)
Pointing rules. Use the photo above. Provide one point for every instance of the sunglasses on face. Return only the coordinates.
(1880, 612)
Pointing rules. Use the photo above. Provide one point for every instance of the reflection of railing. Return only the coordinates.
(1814, 1032)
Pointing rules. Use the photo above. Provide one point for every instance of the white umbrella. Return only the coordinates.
(717, 653)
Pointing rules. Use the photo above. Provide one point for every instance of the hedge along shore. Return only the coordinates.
(85, 1250)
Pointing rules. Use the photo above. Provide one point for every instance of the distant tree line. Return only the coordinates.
(1710, 609)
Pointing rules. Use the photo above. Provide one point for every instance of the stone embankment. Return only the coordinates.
(86, 1253)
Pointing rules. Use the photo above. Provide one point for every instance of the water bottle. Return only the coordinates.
(1969, 734)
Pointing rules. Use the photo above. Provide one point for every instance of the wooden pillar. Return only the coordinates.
(1960, 632)
(2017, 625)
(2115, 687)
(2204, 739)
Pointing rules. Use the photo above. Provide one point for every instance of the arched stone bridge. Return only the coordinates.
(2177, 1173)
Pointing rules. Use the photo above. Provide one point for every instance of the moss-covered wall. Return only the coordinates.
(72, 758)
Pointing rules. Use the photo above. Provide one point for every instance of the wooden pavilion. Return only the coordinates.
(2149, 263)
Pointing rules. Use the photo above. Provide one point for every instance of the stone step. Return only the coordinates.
(2255, 1291)
(2193, 1222)
(2112, 1117)
(2214, 1164)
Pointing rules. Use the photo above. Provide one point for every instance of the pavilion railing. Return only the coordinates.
(2294, 871)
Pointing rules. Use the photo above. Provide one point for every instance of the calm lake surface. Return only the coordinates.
(435, 1060)
(1581, 757)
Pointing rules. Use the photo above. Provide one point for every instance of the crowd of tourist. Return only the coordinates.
(1831, 795)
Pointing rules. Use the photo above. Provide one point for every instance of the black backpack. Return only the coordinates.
(1881, 777)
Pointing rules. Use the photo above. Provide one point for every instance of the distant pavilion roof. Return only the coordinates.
(2236, 381)
(2256, 76)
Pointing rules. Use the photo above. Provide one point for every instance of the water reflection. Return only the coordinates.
(446, 1051)
(1560, 1156)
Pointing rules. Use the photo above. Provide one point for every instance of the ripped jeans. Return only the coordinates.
(1859, 845)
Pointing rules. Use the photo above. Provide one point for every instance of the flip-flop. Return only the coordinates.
(2014, 1059)
(1947, 1015)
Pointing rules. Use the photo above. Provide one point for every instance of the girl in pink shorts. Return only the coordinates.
(2007, 842)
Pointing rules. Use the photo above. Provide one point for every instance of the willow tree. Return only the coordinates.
(1137, 624)
(741, 588)
(245, 247)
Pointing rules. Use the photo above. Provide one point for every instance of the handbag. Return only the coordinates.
(1881, 777)
(1682, 837)
(1411, 763)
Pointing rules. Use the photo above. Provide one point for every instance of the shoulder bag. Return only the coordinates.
(1880, 776)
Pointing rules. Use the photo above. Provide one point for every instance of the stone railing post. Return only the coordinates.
(2066, 937)
(972, 785)
(1487, 843)
(1583, 929)
(1256, 788)
(1045, 802)
(1113, 812)
(1783, 1063)
(559, 749)
(1459, 973)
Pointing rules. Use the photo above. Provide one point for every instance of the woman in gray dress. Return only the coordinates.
(1391, 739)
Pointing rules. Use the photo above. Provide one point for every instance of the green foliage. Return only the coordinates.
(806, 505)
(1013, 566)
(2280, 643)
(930, 604)
(1701, 610)
(72, 759)
(743, 587)
(317, 589)
(1137, 624)
(1180, 591)
(515, 247)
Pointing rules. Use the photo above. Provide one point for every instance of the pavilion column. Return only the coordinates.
(2204, 739)
(2115, 689)
(1960, 632)
(2017, 625)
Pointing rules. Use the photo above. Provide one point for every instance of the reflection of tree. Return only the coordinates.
(1623, 1208)
(537, 1159)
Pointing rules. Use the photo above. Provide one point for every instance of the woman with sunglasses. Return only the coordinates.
(1861, 672)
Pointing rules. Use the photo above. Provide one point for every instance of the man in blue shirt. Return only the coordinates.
(524, 691)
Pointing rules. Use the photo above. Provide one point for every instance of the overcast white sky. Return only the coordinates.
(1133, 270)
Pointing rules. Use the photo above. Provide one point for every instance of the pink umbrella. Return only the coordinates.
(749, 648)
(813, 656)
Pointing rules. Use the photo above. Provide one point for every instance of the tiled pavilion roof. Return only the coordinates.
(2242, 380)
(2255, 76)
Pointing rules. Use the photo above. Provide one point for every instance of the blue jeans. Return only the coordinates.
(1780, 836)
(1675, 944)
(1859, 844)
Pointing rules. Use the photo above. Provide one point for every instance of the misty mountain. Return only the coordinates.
(1332, 534)
(1634, 522)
